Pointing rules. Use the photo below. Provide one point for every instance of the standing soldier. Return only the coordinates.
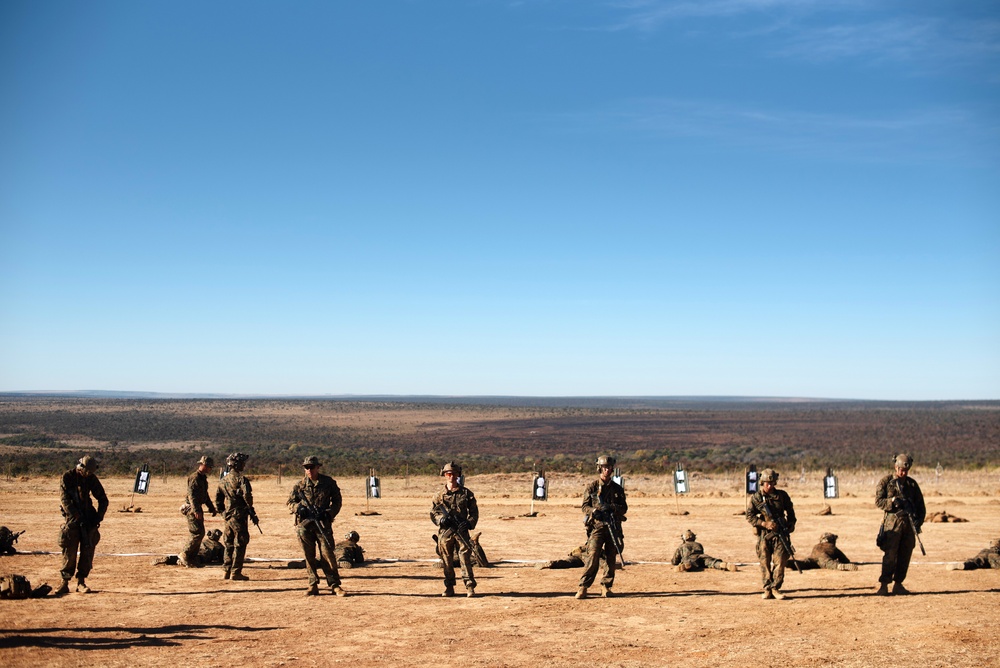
(316, 500)
(604, 506)
(773, 519)
(197, 496)
(455, 512)
(80, 488)
(899, 496)
(234, 499)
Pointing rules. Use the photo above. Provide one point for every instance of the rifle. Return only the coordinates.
(460, 526)
(781, 532)
(907, 509)
(314, 515)
(608, 517)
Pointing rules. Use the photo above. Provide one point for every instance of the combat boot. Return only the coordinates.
(312, 591)
(606, 592)
(238, 576)
(470, 592)
(680, 568)
(767, 594)
(449, 591)
(226, 575)
(899, 590)
(883, 590)
(955, 566)
(731, 567)
(182, 560)
(848, 567)
(63, 590)
(776, 593)
(581, 592)
(337, 591)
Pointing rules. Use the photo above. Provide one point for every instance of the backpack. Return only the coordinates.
(14, 587)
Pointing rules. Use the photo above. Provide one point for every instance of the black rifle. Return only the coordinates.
(604, 513)
(313, 514)
(460, 527)
(907, 509)
(781, 530)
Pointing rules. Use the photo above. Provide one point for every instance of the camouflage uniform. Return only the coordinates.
(988, 558)
(349, 553)
(197, 497)
(690, 556)
(234, 499)
(462, 504)
(770, 551)
(601, 548)
(573, 560)
(7, 540)
(895, 495)
(211, 550)
(325, 497)
(80, 530)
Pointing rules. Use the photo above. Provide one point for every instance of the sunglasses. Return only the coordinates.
(309, 468)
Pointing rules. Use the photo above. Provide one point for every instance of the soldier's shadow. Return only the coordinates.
(111, 637)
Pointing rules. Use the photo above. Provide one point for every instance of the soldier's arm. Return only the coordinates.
(220, 499)
(789, 513)
(588, 500)
(754, 517)
(473, 519)
(621, 505)
(676, 558)
(336, 501)
(919, 510)
(69, 506)
(248, 493)
(882, 498)
(293, 499)
(102, 499)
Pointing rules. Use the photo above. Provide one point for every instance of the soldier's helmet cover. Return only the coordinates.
(215, 534)
(453, 467)
(828, 538)
(237, 460)
(207, 461)
(87, 463)
(353, 536)
(769, 475)
(689, 535)
(995, 544)
(903, 461)
(605, 460)
(311, 461)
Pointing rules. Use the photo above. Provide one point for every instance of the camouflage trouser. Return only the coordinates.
(448, 545)
(69, 541)
(196, 528)
(601, 551)
(697, 562)
(773, 560)
(236, 537)
(310, 540)
(897, 545)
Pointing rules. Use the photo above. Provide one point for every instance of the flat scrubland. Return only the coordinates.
(144, 615)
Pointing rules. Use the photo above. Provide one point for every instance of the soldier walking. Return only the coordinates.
(900, 497)
(772, 516)
(80, 488)
(604, 506)
(316, 500)
(234, 499)
(455, 512)
(197, 497)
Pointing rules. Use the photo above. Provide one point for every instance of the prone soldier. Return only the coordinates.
(827, 555)
(316, 500)
(772, 516)
(79, 489)
(604, 507)
(988, 558)
(197, 497)
(899, 496)
(690, 556)
(572, 560)
(234, 499)
(455, 512)
(349, 553)
(210, 552)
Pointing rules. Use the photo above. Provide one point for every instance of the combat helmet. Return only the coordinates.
(207, 461)
(828, 538)
(769, 475)
(352, 536)
(215, 534)
(237, 460)
(606, 460)
(903, 461)
(453, 467)
(689, 535)
(995, 544)
(87, 463)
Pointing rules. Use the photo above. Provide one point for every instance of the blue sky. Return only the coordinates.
(551, 197)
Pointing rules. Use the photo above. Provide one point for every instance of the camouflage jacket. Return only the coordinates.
(324, 495)
(597, 493)
(350, 552)
(828, 555)
(687, 549)
(78, 495)
(896, 496)
(781, 506)
(197, 494)
(461, 502)
(236, 494)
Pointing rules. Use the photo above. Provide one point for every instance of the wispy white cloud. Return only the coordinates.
(648, 15)
(922, 135)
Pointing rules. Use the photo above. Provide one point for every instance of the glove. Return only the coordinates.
(253, 518)
(770, 525)
(462, 525)
(302, 512)
(445, 522)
